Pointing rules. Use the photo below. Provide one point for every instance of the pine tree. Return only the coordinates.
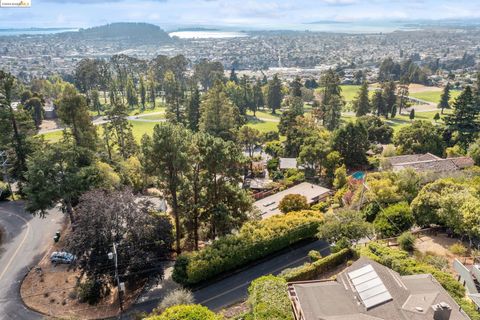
(464, 119)
(121, 131)
(132, 98)
(296, 87)
(378, 103)
(332, 102)
(151, 91)
(445, 98)
(258, 99)
(174, 97)
(193, 110)
(233, 76)
(274, 97)
(143, 93)
(218, 114)
(361, 103)
(402, 97)
(390, 98)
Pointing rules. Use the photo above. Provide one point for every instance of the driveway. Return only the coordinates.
(233, 289)
(24, 241)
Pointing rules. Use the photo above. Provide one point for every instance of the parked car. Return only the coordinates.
(62, 257)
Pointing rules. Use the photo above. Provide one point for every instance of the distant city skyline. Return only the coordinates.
(266, 14)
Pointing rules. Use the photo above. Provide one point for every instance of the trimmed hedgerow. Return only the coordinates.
(268, 299)
(401, 262)
(313, 270)
(254, 241)
(186, 312)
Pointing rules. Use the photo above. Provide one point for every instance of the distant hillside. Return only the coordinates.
(133, 32)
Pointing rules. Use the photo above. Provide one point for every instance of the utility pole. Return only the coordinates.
(4, 163)
(120, 285)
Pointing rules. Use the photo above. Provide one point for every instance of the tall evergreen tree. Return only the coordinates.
(390, 98)
(332, 102)
(193, 110)
(361, 103)
(16, 127)
(296, 87)
(402, 97)
(218, 114)
(167, 155)
(258, 99)
(274, 96)
(143, 93)
(174, 98)
(233, 76)
(151, 91)
(72, 110)
(464, 120)
(132, 98)
(445, 98)
(121, 130)
(378, 103)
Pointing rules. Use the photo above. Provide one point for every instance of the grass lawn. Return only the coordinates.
(265, 114)
(349, 92)
(262, 126)
(153, 117)
(403, 120)
(139, 128)
(434, 96)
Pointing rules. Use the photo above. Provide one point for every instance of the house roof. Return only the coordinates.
(413, 297)
(412, 158)
(288, 163)
(269, 206)
(429, 162)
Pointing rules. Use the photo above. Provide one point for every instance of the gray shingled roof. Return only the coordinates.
(413, 297)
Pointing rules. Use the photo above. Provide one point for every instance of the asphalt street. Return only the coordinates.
(233, 289)
(24, 241)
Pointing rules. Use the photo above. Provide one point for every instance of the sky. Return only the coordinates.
(260, 14)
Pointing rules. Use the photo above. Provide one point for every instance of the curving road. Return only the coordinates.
(233, 289)
(24, 241)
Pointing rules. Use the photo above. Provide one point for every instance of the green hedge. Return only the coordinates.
(254, 241)
(268, 299)
(4, 191)
(401, 262)
(314, 270)
(186, 312)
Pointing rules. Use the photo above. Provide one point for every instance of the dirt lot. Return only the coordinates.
(414, 88)
(439, 245)
(50, 290)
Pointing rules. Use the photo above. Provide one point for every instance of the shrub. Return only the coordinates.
(394, 220)
(371, 211)
(313, 270)
(4, 191)
(175, 298)
(255, 240)
(322, 206)
(186, 312)
(293, 202)
(458, 249)
(406, 241)
(314, 255)
(89, 291)
(341, 244)
(268, 299)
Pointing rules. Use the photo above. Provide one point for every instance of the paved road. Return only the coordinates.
(25, 239)
(233, 289)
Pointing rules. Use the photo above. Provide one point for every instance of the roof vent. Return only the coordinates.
(441, 311)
